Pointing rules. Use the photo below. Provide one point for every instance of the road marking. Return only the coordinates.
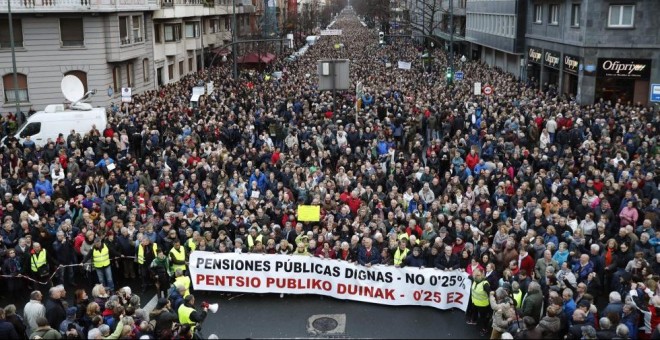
(151, 304)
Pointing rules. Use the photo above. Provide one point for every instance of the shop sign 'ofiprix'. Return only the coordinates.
(551, 59)
(571, 64)
(624, 68)
(535, 55)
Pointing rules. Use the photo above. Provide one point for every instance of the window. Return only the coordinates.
(137, 29)
(4, 33)
(72, 32)
(214, 26)
(31, 129)
(158, 37)
(80, 75)
(192, 30)
(116, 78)
(129, 74)
(145, 69)
(538, 14)
(621, 16)
(8, 85)
(172, 32)
(170, 71)
(575, 15)
(181, 70)
(553, 18)
(190, 64)
(124, 30)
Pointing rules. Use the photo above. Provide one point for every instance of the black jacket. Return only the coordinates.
(444, 263)
(7, 330)
(55, 312)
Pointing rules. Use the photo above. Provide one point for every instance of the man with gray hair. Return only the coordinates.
(532, 304)
(33, 310)
(64, 255)
(606, 331)
(94, 334)
(55, 311)
(615, 306)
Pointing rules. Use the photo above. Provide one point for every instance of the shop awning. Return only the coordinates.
(255, 58)
(221, 51)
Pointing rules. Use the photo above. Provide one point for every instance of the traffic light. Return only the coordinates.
(381, 37)
(450, 75)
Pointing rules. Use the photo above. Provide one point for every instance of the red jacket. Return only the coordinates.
(527, 263)
(472, 160)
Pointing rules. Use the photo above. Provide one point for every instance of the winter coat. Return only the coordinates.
(501, 313)
(550, 327)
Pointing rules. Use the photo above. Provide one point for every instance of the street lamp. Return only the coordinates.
(234, 48)
(13, 61)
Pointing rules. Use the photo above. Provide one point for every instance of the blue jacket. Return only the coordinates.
(373, 258)
(262, 183)
(44, 186)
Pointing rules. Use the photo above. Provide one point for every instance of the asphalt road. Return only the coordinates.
(269, 316)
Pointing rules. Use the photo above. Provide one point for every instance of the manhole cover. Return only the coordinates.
(325, 324)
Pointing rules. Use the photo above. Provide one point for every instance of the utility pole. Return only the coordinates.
(13, 61)
(234, 49)
(451, 41)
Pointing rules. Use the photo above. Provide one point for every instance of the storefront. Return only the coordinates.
(552, 63)
(534, 61)
(626, 80)
(571, 67)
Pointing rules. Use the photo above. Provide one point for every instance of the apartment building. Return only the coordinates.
(110, 44)
(594, 49)
(495, 31)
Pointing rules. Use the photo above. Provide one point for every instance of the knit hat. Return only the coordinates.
(71, 311)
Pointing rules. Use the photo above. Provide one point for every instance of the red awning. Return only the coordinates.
(255, 58)
(221, 52)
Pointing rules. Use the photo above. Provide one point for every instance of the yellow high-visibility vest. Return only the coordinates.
(101, 259)
(180, 256)
(141, 257)
(399, 256)
(518, 297)
(251, 240)
(184, 281)
(479, 295)
(38, 260)
(191, 244)
(184, 313)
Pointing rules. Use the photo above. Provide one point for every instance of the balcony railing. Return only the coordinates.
(170, 3)
(31, 6)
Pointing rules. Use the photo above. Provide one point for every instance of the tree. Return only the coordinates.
(426, 16)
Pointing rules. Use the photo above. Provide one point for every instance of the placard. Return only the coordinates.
(309, 213)
(404, 65)
(387, 285)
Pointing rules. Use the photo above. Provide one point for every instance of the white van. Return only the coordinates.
(54, 119)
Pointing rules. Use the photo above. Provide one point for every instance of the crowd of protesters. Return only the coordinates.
(549, 206)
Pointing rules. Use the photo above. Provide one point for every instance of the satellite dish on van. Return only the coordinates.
(72, 88)
(74, 91)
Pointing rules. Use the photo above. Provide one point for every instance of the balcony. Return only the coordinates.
(79, 6)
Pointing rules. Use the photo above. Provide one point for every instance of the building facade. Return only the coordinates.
(111, 44)
(594, 49)
(495, 30)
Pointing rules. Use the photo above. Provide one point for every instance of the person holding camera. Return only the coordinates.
(65, 255)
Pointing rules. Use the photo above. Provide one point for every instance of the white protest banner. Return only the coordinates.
(388, 285)
(405, 65)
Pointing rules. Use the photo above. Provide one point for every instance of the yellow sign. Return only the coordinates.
(309, 213)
